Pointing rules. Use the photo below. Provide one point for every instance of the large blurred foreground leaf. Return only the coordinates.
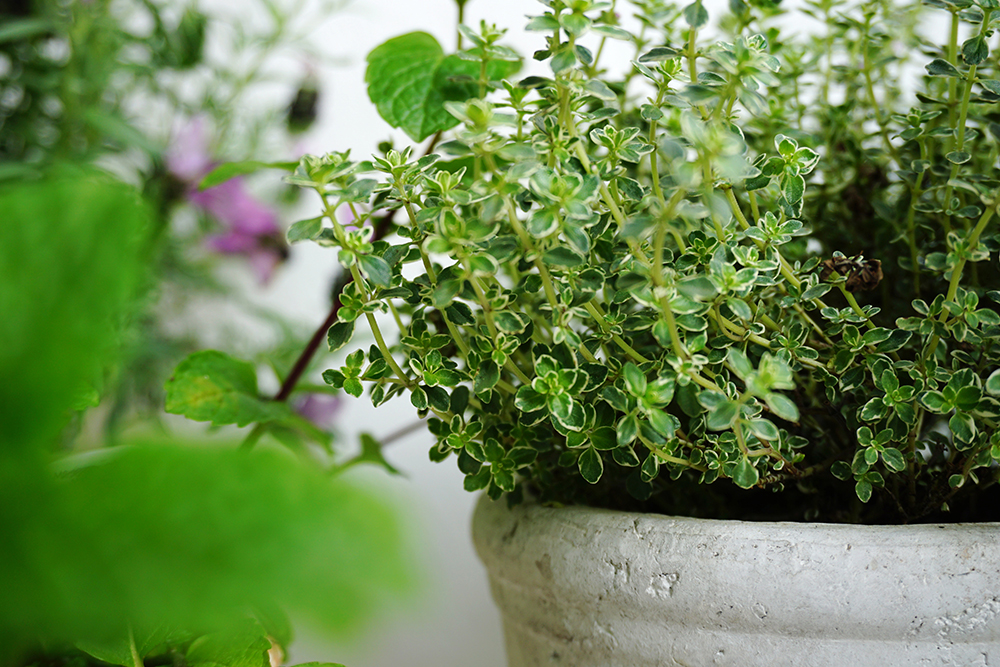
(187, 537)
(71, 260)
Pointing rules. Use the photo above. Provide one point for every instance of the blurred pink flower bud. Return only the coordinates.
(320, 409)
(250, 227)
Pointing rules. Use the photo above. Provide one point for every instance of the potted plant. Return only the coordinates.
(749, 279)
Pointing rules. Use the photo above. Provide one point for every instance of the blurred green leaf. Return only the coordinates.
(305, 229)
(191, 536)
(115, 127)
(71, 261)
(993, 383)
(13, 30)
(376, 269)
(939, 67)
(695, 14)
(229, 170)
(244, 643)
(118, 651)
(371, 452)
(214, 387)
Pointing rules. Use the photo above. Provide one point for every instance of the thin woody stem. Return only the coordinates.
(307, 354)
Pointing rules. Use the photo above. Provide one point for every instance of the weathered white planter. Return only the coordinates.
(581, 587)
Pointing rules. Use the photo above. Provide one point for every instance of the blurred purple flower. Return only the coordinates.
(250, 228)
(320, 409)
(188, 158)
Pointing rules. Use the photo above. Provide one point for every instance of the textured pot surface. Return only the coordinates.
(582, 587)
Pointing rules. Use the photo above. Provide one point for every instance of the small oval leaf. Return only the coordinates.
(339, 335)
(745, 475)
(591, 466)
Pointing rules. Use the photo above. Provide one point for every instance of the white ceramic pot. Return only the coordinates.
(581, 587)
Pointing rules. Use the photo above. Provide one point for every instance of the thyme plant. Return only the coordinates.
(748, 276)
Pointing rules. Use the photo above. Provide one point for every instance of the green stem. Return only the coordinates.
(911, 228)
(592, 69)
(971, 242)
(488, 312)
(754, 338)
(708, 178)
(676, 199)
(692, 55)
(953, 59)
(754, 209)
(453, 331)
(656, 273)
(253, 436)
(526, 240)
(729, 97)
(675, 338)
(565, 114)
(136, 658)
(959, 143)
(784, 266)
(585, 353)
(761, 316)
(598, 316)
(616, 212)
(667, 458)
(725, 323)
(854, 305)
(396, 316)
(738, 430)
(812, 323)
(911, 466)
(828, 48)
(879, 119)
(962, 117)
(481, 298)
(661, 229)
(506, 386)
(483, 79)
(637, 252)
(606, 195)
(870, 89)
(956, 274)
(377, 332)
